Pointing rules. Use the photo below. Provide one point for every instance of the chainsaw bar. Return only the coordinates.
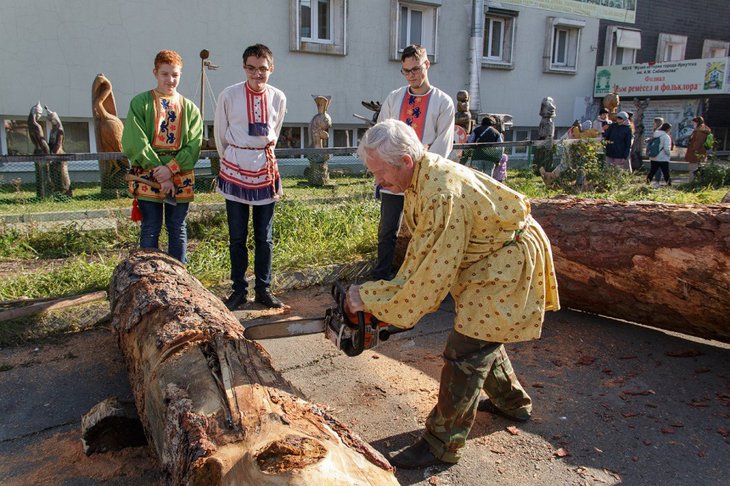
(294, 326)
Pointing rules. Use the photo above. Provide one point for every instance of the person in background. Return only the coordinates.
(162, 136)
(248, 120)
(486, 159)
(658, 122)
(618, 137)
(661, 160)
(696, 151)
(430, 112)
(602, 122)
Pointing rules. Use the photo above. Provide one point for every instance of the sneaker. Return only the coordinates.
(415, 456)
(267, 299)
(486, 405)
(236, 299)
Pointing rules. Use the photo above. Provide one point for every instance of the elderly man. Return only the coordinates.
(475, 238)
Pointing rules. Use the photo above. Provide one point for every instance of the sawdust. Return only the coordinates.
(60, 459)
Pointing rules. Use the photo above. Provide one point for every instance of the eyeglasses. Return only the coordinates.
(415, 70)
(253, 70)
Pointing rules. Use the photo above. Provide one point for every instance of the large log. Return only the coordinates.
(663, 265)
(213, 408)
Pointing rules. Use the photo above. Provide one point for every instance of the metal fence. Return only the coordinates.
(88, 189)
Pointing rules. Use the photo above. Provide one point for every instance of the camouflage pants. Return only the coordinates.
(470, 366)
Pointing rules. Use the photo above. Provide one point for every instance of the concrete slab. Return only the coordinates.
(615, 403)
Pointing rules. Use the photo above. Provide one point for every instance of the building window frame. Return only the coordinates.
(620, 43)
(562, 45)
(710, 48)
(429, 12)
(671, 47)
(508, 22)
(336, 44)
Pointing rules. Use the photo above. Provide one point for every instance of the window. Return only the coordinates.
(414, 23)
(17, 137)
(714, 48)
(318, 26)
(315, 20)
(498, 38)
(621, 46)
(562, 44)
(75, 136)
(671, 47)
(342, 138)
(560, 47)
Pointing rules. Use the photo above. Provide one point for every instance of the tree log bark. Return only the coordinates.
(213, 408)
(663, 265)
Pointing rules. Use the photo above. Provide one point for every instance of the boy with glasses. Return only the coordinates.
(430, 112)
(248, 120)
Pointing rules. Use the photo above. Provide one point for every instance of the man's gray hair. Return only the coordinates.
(391, 140)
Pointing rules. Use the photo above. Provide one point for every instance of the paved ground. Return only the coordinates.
(614, 404)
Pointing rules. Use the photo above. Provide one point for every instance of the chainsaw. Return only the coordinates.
(352, 333)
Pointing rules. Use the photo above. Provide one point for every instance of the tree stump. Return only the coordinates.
(663, 265)
(213, 408)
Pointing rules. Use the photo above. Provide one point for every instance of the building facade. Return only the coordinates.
(510, 58)
(677, 57)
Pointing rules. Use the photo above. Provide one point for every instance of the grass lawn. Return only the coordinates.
(312, 227)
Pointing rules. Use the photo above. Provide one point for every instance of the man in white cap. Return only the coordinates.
(618, 139)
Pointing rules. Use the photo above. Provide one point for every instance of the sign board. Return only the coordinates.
(700, 77)
(615, 10)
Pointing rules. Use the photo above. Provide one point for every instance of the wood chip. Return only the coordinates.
(561, 453)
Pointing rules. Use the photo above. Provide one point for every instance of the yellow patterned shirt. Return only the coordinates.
(475, 238)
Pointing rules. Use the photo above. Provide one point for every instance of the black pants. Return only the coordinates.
(655, 166)
(391, 210)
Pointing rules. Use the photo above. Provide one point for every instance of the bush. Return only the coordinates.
(714, 175)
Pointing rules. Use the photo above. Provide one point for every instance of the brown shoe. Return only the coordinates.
(415, 456)
(486, 405)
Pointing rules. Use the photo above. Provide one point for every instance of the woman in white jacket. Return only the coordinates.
(661, 160)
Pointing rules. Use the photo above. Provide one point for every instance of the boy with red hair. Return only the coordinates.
(162, 137)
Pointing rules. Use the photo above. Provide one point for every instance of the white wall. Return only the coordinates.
(52, 50)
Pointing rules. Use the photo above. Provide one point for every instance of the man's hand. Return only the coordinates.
(167, 187)
(162, 173)
(353, 302)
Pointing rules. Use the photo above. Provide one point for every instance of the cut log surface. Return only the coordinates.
(213, 408)
(663, 265)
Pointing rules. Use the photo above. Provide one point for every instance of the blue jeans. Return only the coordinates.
(391, 210)
(263, 219)
(177, 231)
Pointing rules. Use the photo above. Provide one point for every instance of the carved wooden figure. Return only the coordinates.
(318, 171)
(58, 169)
(108, 128)
(43, 183)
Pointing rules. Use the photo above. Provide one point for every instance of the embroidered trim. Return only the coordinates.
(257, 105)
(168, 122)
(413, 111)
